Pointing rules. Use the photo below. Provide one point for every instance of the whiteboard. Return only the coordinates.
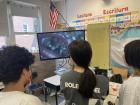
(99, 38)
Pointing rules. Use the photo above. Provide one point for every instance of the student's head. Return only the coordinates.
(132, 54)
(81, 54)
(117, 78)
(15, 65)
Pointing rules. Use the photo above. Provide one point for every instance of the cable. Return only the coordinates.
(62, 64)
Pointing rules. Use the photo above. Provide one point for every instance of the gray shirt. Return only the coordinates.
(130, 92)
(69, 85)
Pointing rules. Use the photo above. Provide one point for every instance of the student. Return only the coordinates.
(79, 83)
(129, 92)
(114, 87)
(15, 73)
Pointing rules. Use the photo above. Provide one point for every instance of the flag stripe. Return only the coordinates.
(54, 13)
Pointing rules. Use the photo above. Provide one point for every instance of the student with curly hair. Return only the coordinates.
(15, 73)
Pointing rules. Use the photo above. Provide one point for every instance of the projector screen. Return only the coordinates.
(54, 45)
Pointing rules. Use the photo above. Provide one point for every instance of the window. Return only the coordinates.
(25, 32)
(25, 27)
(2, 41)
(27, 41)
(26, 24)
(24, 21)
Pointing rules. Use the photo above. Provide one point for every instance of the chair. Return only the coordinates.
(100, 90)
(34, 87)
(99, 71)
(103, 84)
(123, 72)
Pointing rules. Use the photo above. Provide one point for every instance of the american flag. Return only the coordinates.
(54, 13)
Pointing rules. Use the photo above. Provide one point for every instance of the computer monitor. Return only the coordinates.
(54, 45)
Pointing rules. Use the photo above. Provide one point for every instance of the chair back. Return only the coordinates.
(102, 86)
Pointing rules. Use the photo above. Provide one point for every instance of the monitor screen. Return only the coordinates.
(54, 45)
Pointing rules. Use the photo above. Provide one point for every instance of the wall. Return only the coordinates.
(71, 8)
(96, 7)
(3, 19)
(61, 6)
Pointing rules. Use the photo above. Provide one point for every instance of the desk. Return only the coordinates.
(53, 83)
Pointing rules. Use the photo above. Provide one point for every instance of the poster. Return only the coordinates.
(120, 36)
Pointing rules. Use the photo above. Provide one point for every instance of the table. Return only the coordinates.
(53, 83)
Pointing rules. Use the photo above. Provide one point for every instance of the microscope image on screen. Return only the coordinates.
(54, 45)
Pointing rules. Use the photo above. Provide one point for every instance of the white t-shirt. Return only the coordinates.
(18, 98)
(130, 92)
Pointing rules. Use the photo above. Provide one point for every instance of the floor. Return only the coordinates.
(51, 99)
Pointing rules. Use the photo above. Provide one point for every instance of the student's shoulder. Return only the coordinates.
(31, 100)
(66, 74)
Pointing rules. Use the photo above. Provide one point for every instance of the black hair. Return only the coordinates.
(13, 60)
(132, 53)
(117, 78)
(81, 53)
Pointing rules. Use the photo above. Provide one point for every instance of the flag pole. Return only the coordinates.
(64, 19)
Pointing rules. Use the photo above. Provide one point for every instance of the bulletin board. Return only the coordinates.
(99, 38)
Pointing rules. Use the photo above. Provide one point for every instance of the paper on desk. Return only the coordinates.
(55, 80)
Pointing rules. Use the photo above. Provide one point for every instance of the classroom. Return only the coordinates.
(69, 52)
